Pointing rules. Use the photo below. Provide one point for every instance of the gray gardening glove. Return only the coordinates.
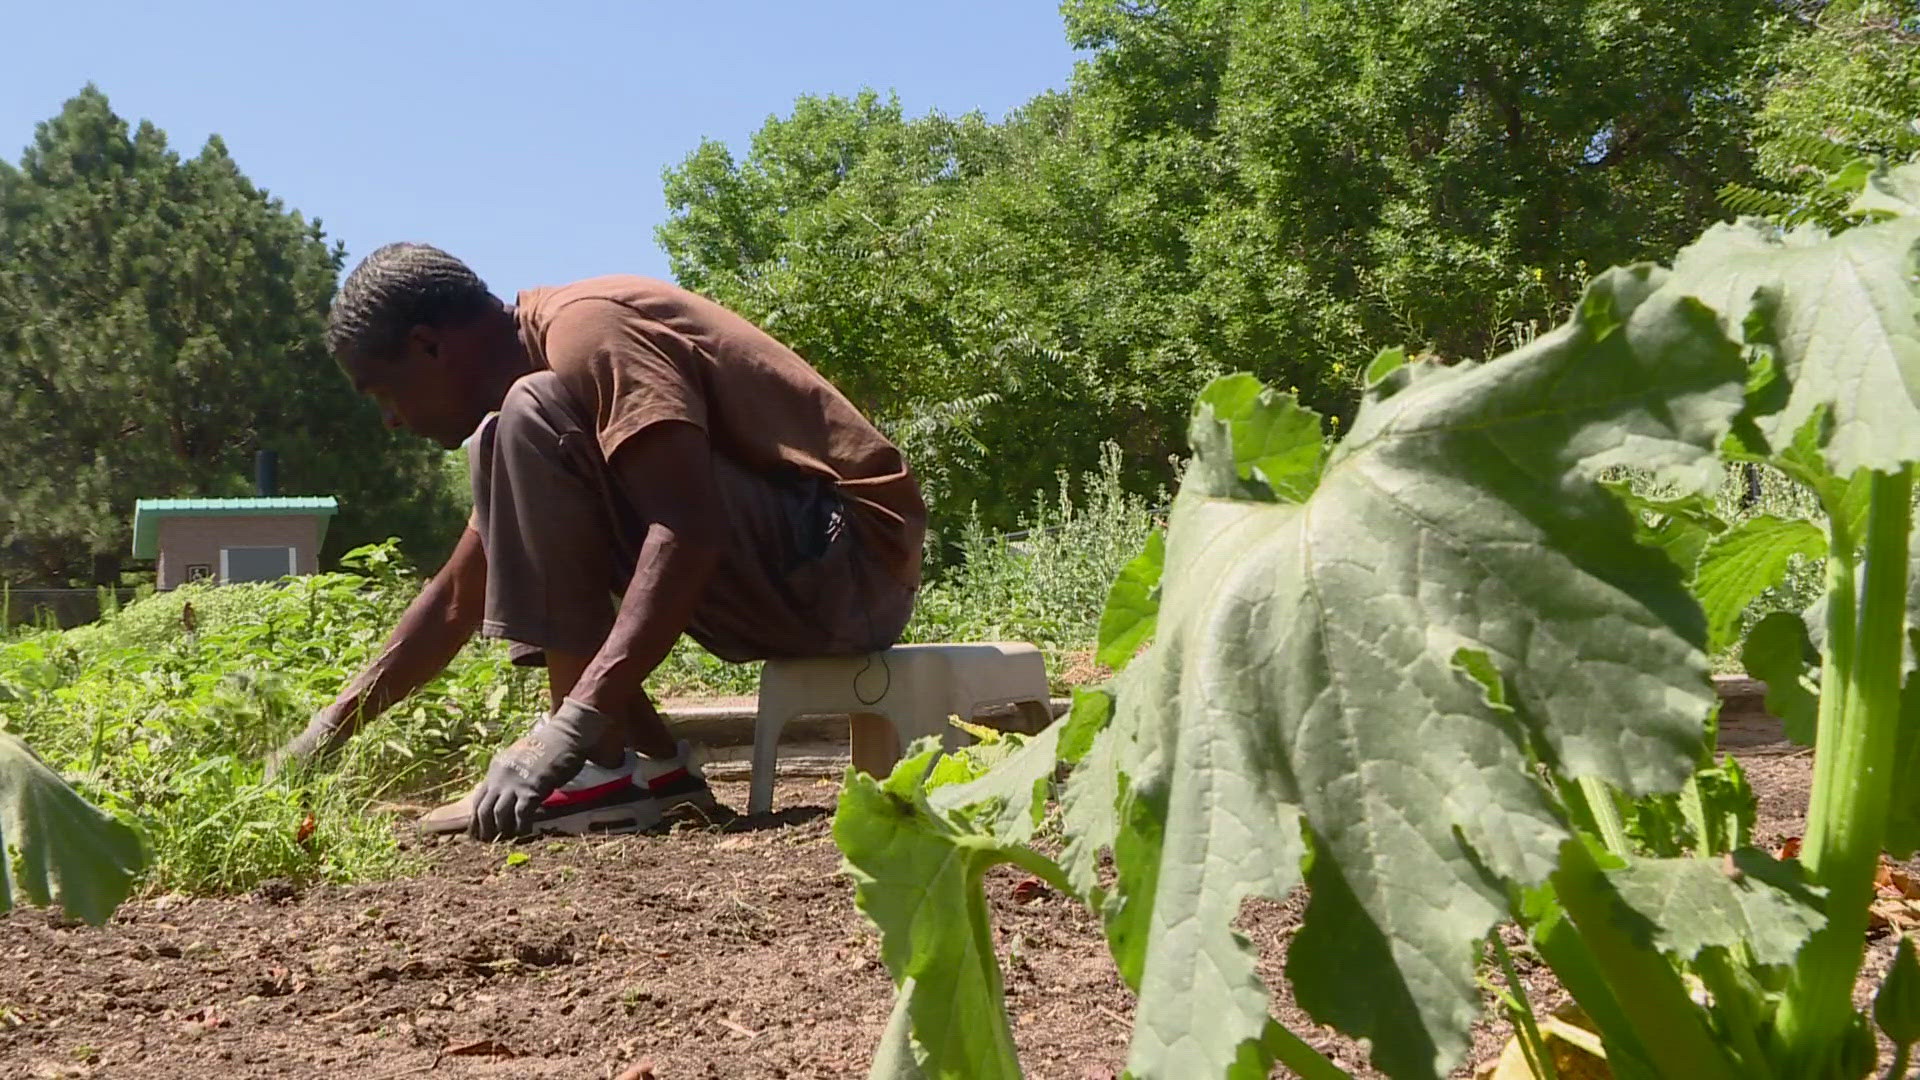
(521, 777)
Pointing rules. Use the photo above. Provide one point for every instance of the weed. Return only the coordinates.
(162, 712)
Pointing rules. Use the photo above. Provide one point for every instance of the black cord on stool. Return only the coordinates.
(884, 666)
(838, 527)
(866, 608)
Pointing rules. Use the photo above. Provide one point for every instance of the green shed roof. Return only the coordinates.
(148, 512)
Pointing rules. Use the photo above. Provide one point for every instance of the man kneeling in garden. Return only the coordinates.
(627, 438)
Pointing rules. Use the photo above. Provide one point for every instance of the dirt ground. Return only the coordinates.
(710, 951)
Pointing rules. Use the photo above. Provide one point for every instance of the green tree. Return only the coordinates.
(161, 319)
(1418, 171)
(822, 234)
(957, 278)
(1845, 86)
(1259, 185)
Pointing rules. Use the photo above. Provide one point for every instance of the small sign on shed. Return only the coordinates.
(231, 540)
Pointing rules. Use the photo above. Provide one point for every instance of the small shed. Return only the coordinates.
(231, 540)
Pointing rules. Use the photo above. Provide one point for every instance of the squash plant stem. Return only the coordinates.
(1293, 1052)
(1853, 774)
(1649, 991)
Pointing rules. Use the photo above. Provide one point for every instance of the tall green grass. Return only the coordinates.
(1047, 582)
(163, 711)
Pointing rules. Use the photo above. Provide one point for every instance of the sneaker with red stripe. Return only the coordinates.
(597, 800)
(675, 781)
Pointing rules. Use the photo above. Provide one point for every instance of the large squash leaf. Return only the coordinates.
(1302, 694)
(1839, 314)
(1738, 565)
(1889, 192)
(59, 846)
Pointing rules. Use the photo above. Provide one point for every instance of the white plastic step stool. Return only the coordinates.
(894, 697)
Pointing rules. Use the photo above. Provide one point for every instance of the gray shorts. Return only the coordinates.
(794, 578)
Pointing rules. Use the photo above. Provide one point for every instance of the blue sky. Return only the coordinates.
(530, 145)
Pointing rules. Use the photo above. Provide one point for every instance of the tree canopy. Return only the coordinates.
(1262, 185)
(1847, 86)
(161, 319)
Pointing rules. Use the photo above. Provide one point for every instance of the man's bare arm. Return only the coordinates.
(432, 630)
(668, 470)
(439, 622)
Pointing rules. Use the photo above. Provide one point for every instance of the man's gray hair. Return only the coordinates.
(399, 287)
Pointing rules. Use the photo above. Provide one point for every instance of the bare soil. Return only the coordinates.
(711, 950)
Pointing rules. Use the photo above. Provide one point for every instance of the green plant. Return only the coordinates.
(1045, 583)
(163, 712)
(57, 847)
(163, 709)
(1443, 676)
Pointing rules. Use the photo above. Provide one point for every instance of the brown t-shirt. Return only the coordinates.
(636, 351)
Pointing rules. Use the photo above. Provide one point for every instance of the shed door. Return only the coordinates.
(255, 563)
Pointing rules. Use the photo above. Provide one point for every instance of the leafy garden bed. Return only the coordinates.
(163, 712)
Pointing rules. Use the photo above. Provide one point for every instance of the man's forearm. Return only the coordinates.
(672, 573)
(667, 469)
(435, 626)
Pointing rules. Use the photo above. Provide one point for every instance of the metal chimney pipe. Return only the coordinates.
(266, 473)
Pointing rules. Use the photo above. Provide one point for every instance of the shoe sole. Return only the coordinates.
(624, 818)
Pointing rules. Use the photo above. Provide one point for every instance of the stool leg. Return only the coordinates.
(766, 756)
(875, 744)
